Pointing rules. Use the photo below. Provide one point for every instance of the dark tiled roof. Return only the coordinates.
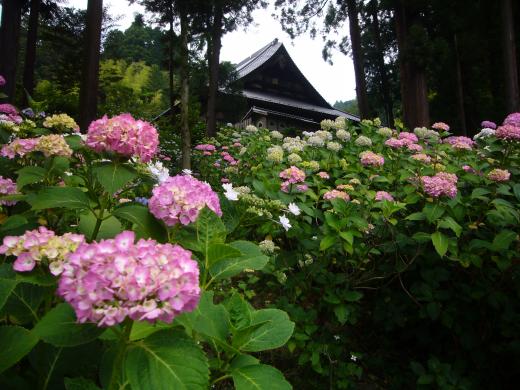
(285, 101)
(258, 58)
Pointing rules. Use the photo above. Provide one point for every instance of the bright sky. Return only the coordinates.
(334, 82)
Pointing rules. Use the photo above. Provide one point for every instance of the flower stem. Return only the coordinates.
(99, 220)
(120, 354)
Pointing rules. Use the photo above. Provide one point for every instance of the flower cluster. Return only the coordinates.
(180, 199)
(7, 187)
(508, 132)
(206, 148)
(53, 145)
(499, 175)
(460, 143)
(61, 122)
(513, 119)
(363, 141)
(108, 281)
(441, 126)
(275, 154)
(293, 175)
(276, 134)
(36, 245)
(421, 157)
(441, 184)
(488, 125)
(484, 133)
(124, 135)
(383, 195)
(385, 132)
(334, 146)
(294, 158)
(333, 194)
(2, 81)
(315, 141)
(371, 158)
(343, 135)
(426, 134)
(337, 124)
(19, 147)
(159, 172)
(8, 109)
(323, 175)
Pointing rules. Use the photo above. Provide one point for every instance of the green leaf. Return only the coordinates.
(113, 176)
(55, 197)
(142, 329)
(109, 228)
(167, 360)
(348, 236)
(208, 319)
(29, 175)
(6, 287)
(251, 258)
(240, 312)
(274, 331)
(327, 242)
(75, 142)
(433, 211)
(353, 296)
(516, 190)
(141, 217)
(259, 377)
(503, 240)
(79, 384)
(416, 217)
(57, 166)
(15, 342)
(450, 223)
(210, 229)
(342, 313)
(218, 252)
(478, 193)
(60, 328)
(244, 360)
(440, 242)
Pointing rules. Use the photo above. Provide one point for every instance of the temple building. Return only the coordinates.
(277, 95)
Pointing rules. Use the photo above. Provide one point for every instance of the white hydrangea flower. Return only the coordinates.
(324, 135)
(251, 129)
(363, 141)
(343, 135)
(230, 193)
(294, 158)
(294, 209)
(158, 171)
(484, 133)
(284, 221)
(187, 172)
(315, 141)
(385, 132)
(276, 134)
(275, 154)
(334, 146)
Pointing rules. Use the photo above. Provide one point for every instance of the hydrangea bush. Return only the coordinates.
(400, 267)
(114, 274)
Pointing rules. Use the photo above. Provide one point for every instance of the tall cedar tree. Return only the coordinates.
(30, 51)
(90, 77)
(510, 62)
(9, 43)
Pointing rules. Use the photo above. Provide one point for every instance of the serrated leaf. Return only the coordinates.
(57, 197)
(6, 287)
(503, 240)
(29, 175)
(15, 343)
(251, 258)
(60, 328)
(327, 242)
(433, 211)
(259, 377)
(141, 217)
(450, 223)
(217, 252)
(440, 242)
(113, 176)
(167, 360)
(109, 227)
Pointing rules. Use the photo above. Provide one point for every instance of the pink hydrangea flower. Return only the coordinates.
(323, 175)
(293, 175)
(371, 158)
(124, 135)
(414, 147)
(468, 169)
(441, 184)
(441, 126)
(8, 109)
(513, 119)
(488, 125)
(179, 199)
(2, 81)
(302, 187)
(460, 142)
(333, 194)
(107, 281)
(7, 187)
(499, 175)
(395, 143)
(409, 137)
(508, 132)
(19, 147)
(206, 147)
(383, 195)
(40, 244)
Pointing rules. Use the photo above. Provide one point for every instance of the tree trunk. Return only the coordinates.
(357, 56)
(90, 77)
(385, 85)
(509, 49)
(460, 88)
(414, 90)
(185, 93)
(213, 63)
(30, 52)
(9, 44)
(171, 36)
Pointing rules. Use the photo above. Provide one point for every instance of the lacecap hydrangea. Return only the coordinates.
(108, 281)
